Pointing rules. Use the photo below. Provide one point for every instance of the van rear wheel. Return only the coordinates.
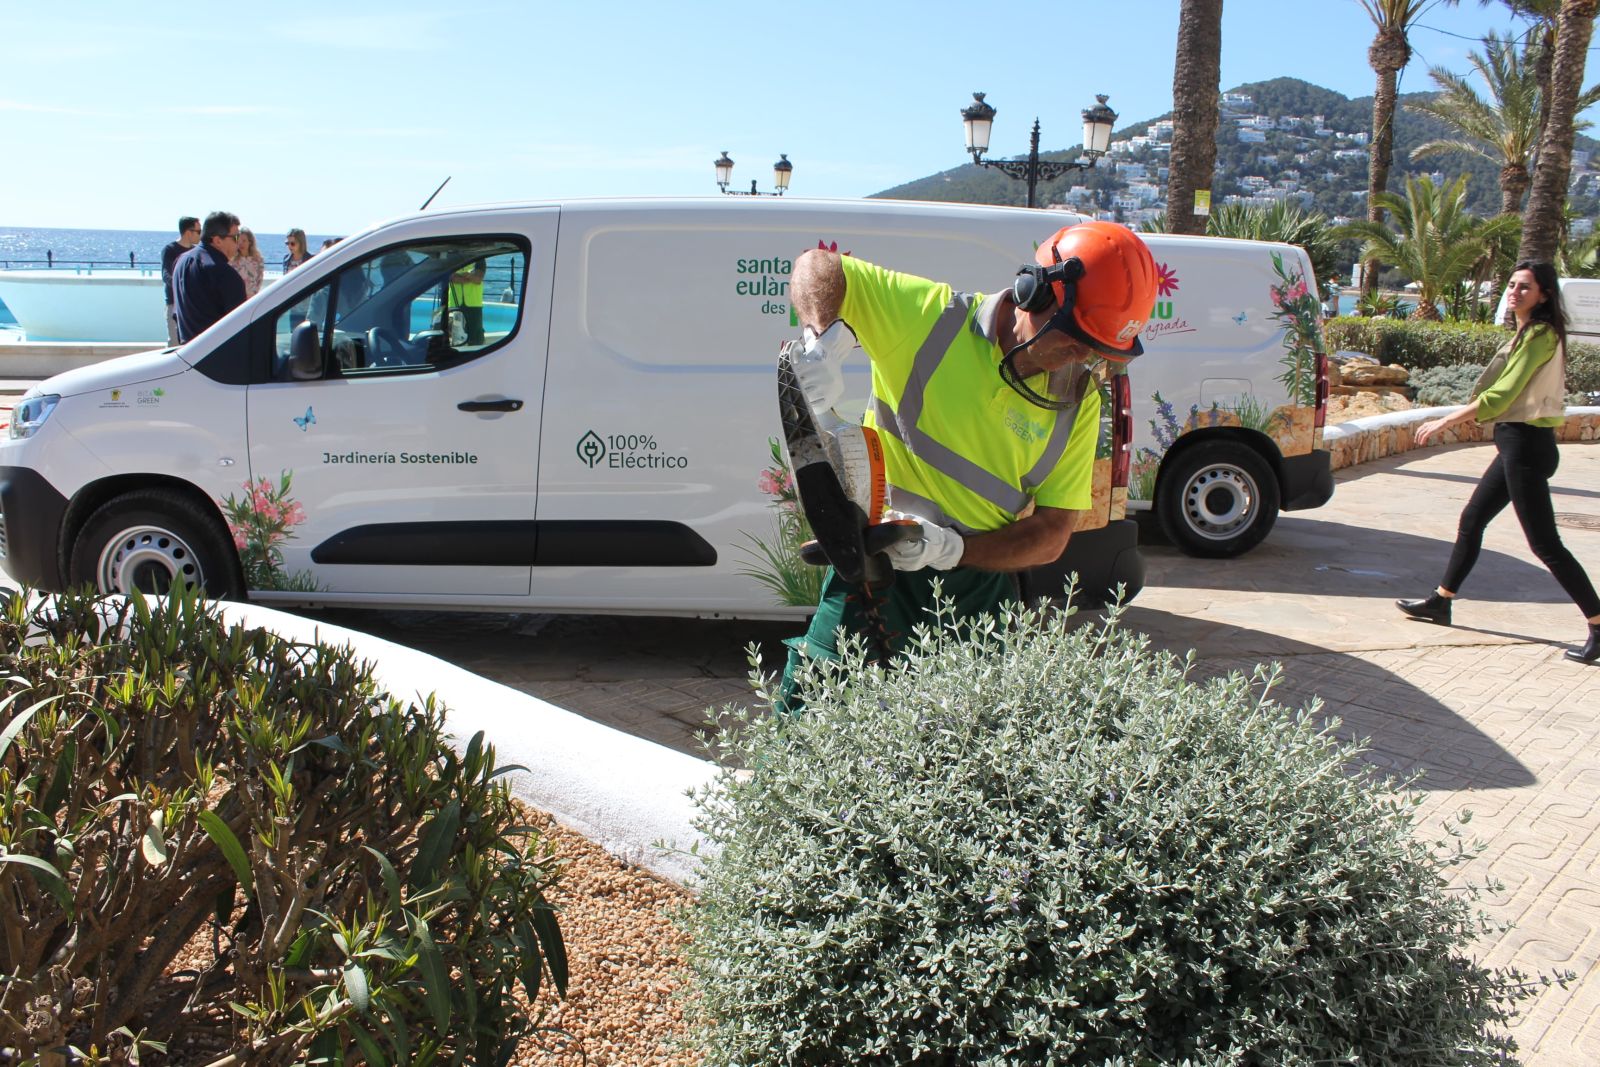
(150, 540)
(1219, 499)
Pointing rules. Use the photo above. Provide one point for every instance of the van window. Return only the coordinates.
(418, 306)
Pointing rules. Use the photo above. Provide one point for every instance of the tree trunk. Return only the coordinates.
(1513, 184)
(1196, 79)
(1543, 71)
(1542, 225)
(1389, 54)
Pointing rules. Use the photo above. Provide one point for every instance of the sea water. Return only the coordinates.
(25, 247)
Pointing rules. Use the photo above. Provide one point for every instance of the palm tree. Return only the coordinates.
(1542, 42)
(1502, 127)
(1438, 244)
(1284, 222)
(1541, 232)
(1389, 53)
(1196, 76)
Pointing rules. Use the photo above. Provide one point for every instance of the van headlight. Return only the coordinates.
(30, 413)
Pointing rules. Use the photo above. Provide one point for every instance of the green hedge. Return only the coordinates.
(1419, 346)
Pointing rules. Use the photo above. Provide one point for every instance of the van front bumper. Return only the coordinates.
(1103, 559)
(30, 525)
(1307, 480)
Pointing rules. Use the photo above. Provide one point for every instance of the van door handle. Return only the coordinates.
(490, 405)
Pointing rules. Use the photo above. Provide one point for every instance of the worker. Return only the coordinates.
(987, 410)
(466, 296)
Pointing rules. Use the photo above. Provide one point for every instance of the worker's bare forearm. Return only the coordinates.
(817, 288)
(1033, 541)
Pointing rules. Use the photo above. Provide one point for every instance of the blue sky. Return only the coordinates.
(332, 116)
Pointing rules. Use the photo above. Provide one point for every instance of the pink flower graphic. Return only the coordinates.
(1166, 280)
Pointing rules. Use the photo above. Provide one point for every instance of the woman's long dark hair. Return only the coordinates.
(1550, 310)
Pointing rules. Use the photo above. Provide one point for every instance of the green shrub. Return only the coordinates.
(1438, 386)
(1420, 346)
(158, 768)
(1033, 846)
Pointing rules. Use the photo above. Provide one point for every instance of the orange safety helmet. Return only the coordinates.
(1117, 291)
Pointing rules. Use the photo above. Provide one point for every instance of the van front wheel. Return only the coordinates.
(150, 540)
(1219, 499)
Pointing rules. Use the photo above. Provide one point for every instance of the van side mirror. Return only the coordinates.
(305, 353)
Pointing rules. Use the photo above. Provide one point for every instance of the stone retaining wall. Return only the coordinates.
(1376, 436)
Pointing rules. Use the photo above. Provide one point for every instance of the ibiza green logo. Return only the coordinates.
(1029, 430)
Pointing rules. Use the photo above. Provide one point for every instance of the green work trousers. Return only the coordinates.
(903, 605)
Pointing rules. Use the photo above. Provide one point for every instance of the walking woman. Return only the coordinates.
(1523, 392)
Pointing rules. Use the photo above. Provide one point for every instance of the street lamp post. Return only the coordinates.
(781, 170)
(978, 117)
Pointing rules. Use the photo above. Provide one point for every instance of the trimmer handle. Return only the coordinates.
(878, 538)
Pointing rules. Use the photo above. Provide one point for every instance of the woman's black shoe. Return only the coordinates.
(1430, 609)
(1591, 648)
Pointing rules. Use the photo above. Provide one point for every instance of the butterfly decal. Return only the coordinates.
(1239, 318)
(306, 420)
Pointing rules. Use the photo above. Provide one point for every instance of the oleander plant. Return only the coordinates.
(1029, 843)
(210, 831)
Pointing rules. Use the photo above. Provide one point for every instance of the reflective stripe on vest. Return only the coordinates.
(902, 425)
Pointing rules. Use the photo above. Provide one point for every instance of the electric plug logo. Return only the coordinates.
(591, 449)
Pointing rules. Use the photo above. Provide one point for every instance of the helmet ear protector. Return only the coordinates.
(1036, 287)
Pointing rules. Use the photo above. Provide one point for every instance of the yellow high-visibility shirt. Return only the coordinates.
(973, 446)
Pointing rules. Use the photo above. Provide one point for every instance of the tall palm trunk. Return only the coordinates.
(1513, 184)
(1542, 225)
(1389, 54)
(1544, 72)
(1196, 77)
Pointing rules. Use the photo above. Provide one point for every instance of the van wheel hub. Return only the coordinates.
(1218, 501)
(149, 559)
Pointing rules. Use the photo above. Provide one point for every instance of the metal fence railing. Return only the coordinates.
(51, 261)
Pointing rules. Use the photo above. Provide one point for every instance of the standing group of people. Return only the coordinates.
(213, 267)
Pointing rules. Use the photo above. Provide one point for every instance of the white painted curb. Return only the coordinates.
(626, 794)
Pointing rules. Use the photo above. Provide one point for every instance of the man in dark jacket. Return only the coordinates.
(188, 237)
(205, 286)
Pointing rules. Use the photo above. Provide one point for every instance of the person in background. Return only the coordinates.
(247, 261)
(329, 242)
(466, 296)
(205, 287)
(295, 242)
(1523, 392)
(188, 237)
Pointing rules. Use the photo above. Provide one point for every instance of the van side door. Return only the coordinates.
(394, 426)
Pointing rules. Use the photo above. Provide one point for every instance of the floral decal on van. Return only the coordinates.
(1166, 280)
(1290, 425)
(260, 522)
(776, 563)
(1295, 308)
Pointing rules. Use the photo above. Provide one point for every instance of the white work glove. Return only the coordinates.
(939, 547)
(819, 368)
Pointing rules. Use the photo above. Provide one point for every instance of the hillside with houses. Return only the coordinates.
(1279, 140)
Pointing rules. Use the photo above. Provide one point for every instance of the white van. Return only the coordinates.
(595, 433)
